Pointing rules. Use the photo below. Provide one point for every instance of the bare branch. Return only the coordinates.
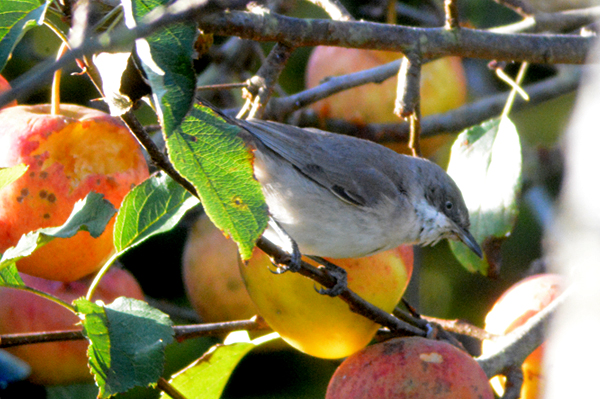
(434, 42)
(260, 86)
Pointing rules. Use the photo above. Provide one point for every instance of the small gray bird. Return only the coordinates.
(342, 197)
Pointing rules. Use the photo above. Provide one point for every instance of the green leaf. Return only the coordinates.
(167, 60)
(208, 152)
(16, 18)
(206, 377)
(486, 164)
(90, 214)
(10, 276)
(127, 343)
(153, 207)
(9, 175)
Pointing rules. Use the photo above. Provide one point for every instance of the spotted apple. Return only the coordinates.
(409, 367)
(68, 154)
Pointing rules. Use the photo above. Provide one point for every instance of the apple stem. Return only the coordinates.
(101, 274)
(43, 295)
(55, 99)
(516, 88)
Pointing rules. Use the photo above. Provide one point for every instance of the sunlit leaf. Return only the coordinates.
(90, 214)
(208, 152)
(206, 377)
(151, 208)
(486, 164)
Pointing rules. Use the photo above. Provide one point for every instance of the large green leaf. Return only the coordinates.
(167, 60)
(90, 214)
(208, 152)
(127, 343)
(206, 377)
(151, 208)
(16, 18)
(486, 164)
(9, 175)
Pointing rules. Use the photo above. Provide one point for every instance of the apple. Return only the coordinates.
(5, 86)
(320, 325)
(410, 367)
(519, 303)
(69, 154)
(443, 87)
(57, 363)
(211, 276)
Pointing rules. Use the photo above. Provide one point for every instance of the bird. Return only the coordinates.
(339, 196)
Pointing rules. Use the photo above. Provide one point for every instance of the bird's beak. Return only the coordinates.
(469, 241)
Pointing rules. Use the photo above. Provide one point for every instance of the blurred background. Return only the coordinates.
(440, 286)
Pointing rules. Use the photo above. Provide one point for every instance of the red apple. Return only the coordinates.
(410, 367)
(512, 309)
(5, 86)
(320, 325)
(443, 87)
(211, 276)
(70, 154)
(57, 363)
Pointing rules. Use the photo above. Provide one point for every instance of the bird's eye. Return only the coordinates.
(448, 205)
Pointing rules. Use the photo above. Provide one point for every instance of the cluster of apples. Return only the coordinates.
(68, 154)
(221, 287)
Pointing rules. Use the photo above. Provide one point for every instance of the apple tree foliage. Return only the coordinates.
(127, 338)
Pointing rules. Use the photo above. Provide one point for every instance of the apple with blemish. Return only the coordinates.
(412, 367)
(64, 362)
(69, 154)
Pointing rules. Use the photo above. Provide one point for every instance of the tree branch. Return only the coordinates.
(434, 42)
(458, 119)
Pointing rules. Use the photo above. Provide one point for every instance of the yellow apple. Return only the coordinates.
(443, 87)
(320, 325)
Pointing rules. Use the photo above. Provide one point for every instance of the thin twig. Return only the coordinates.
(523, 8)
(564, 21)
(260, 86)
(335, 9)
(169, 389)
(451, 11)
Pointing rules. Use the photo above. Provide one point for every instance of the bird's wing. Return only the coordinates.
(334, 161)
